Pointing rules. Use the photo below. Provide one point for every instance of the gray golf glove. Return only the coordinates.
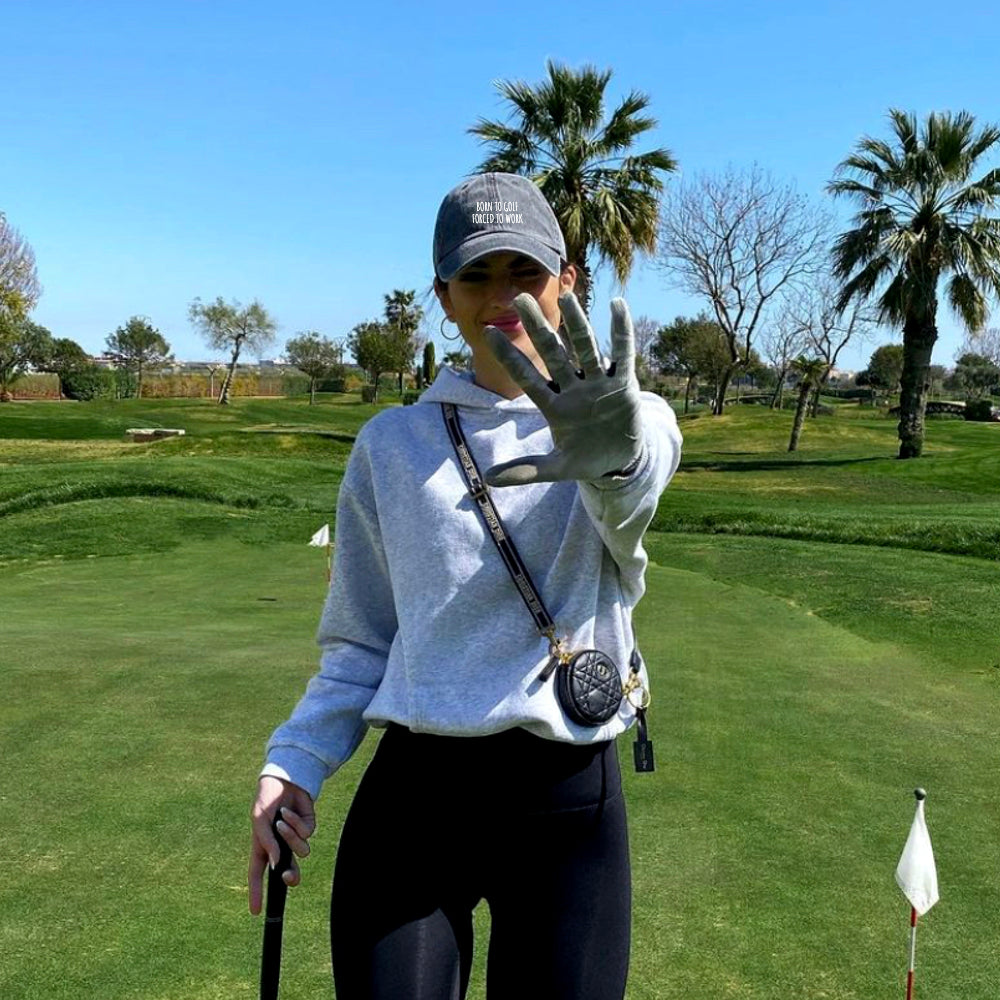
(593, 413)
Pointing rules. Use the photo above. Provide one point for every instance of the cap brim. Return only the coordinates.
(487, 243)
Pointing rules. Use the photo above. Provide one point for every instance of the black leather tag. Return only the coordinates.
(643, 750)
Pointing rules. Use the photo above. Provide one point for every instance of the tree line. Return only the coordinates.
(378, 346)
(762, 257)
(697, 351)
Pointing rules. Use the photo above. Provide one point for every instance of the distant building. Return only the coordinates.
(196, 367)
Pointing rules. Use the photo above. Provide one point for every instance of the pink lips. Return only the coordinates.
(506, 323)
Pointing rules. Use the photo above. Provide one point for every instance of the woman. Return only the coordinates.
(487, 783)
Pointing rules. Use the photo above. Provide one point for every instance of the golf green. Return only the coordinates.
(140, 690)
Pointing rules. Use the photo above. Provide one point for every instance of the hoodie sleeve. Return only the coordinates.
(622, 508)
(356, 630)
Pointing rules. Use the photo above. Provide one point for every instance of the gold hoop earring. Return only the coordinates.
(458, 334)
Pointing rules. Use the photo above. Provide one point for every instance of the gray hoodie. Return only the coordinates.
(423, 625)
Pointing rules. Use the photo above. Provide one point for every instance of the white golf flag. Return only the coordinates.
(322, 537)
(916, 874)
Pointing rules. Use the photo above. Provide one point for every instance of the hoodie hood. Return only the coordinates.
(451, 386)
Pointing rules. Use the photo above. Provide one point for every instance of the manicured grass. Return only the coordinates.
(812, 662)
(844, 483)
(233, 474)
(102, 418)
(946, 608)
(763, 846)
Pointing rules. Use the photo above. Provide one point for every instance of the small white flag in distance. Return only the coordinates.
(916, 873)
(322, 537)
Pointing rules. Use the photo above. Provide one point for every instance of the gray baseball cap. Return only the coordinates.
(488, 213)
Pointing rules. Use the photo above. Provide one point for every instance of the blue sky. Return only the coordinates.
(154, 152)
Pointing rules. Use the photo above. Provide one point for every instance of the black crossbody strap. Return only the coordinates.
(479, 492)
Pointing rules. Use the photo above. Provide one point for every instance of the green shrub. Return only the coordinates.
(862, 392)
(978, 409)
(410, 397)
(368, 394)
(126, 384)
(89, 382)
(332, 384)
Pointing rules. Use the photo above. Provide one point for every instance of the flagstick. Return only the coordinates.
(321, 538)
(920, 795)
(913, 952)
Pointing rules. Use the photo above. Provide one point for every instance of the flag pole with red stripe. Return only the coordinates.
(913, 952)
(916, 875)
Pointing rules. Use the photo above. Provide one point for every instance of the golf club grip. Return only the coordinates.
(270, 964)
(276, 888)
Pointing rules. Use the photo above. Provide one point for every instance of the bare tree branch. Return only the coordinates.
(19, 288)
(985, 343)
(814, 308)
(645, 329)
(782, 340)
(740, 240)
(828, 330)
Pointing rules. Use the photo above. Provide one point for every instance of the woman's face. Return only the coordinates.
(482, 295)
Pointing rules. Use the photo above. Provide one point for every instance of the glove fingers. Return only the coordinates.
(530, 469)
(622, 338)
(542, 336)
(518, 366)
(581, 334)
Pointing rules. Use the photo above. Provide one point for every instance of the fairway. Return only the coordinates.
(821, 633)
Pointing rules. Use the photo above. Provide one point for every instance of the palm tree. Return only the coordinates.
(603, 196)
(921, 220)
(402, 318)
(810, 372)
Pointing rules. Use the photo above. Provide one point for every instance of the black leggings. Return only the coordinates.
(535, 827)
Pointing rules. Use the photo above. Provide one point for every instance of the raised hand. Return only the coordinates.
(593, 412)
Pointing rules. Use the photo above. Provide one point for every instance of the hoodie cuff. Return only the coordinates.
(297, 766)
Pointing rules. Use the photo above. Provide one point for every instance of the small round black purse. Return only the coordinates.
(589, 687)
